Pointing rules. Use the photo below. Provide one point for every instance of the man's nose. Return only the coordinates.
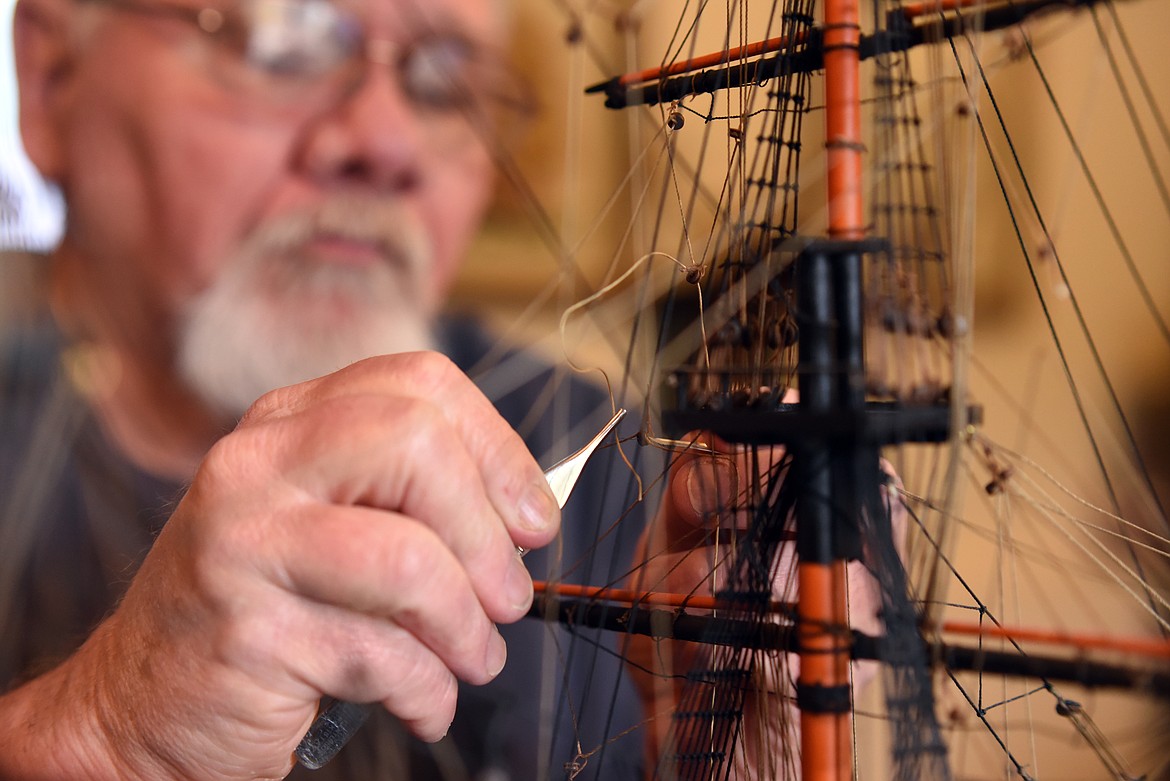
(370, 136)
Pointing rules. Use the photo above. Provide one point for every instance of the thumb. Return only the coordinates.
(702, 486)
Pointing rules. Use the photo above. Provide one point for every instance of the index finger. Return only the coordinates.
(513, 481)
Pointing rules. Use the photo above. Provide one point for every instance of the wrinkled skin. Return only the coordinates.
(308, 557)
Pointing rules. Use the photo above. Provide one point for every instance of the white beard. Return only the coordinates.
(276, 316)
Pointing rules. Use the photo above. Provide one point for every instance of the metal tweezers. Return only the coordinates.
(563, 475)
(338, 721)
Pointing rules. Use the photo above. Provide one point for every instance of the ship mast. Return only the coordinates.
(831, 378)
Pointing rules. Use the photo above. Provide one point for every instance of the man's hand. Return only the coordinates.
(355, 536)
(686, 550)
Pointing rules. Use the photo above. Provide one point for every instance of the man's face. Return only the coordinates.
(322, 212)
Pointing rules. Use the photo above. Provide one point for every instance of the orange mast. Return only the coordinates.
(822, 617)
(842, 40)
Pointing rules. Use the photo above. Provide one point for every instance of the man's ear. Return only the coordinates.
(44, 49)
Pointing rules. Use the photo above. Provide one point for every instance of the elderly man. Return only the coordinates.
(258, 193)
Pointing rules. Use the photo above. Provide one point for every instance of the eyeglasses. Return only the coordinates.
(306, 52)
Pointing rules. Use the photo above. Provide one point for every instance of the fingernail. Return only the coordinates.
(710, 484)
(537, 508)
(519, 585)
(497, 653)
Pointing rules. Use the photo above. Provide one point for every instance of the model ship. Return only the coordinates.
(804, 244)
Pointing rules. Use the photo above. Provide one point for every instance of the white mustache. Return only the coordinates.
(381, 223)
(275, 315)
